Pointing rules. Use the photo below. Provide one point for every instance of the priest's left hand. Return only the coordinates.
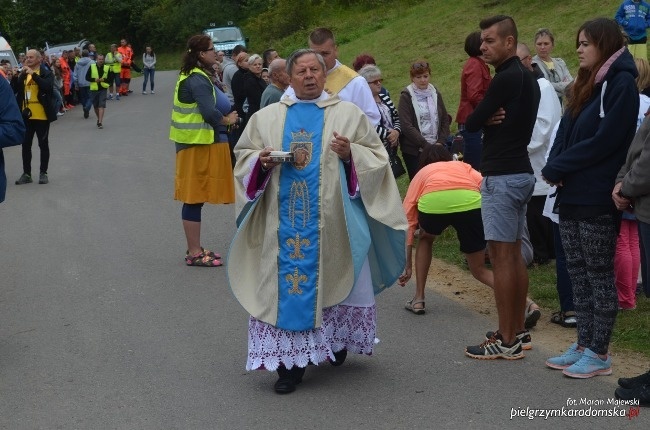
(341, 146)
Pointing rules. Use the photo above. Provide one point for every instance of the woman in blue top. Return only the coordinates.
(590, 147)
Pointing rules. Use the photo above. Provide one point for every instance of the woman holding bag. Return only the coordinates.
(389, 126)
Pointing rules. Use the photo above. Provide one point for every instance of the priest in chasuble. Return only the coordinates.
(319, 233)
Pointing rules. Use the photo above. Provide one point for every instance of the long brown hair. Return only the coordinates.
(606, 34)
(197, 44)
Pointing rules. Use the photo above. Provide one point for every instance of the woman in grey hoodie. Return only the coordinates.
(149, 69)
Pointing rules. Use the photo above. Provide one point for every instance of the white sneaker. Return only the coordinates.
(153, 92)
(144, 92)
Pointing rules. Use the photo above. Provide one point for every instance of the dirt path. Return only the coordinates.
(459, 285)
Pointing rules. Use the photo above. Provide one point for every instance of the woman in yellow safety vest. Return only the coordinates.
(203, 165)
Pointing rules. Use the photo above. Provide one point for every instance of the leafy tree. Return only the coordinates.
(282, 18)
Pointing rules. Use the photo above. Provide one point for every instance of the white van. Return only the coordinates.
(6, 53)
(57, 50)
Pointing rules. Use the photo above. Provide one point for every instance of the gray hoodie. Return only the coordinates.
(635, 173)
(80, 70)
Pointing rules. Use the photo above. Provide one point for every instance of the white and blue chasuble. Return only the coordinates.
(303, 243)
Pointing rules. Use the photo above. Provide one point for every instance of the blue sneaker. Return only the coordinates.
(589, 365)
(570, 356)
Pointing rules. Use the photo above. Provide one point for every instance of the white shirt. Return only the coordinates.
(549, 114)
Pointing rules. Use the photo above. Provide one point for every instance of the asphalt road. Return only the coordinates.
(102, 326)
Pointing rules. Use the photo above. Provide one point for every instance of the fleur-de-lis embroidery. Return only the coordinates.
(295, 281)
(297, 244)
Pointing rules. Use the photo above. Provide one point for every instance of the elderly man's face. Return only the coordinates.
(32, 59)
(307, 77)
(280, 75)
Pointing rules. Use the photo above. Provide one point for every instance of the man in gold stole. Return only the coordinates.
(317, 237)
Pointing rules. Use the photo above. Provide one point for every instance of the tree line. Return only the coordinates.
(166, 24)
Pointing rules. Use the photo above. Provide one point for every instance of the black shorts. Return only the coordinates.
(468, 226)
(99, 98)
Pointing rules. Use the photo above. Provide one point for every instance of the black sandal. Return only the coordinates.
(561, 318)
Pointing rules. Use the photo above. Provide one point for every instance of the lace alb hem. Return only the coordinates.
(344, 327)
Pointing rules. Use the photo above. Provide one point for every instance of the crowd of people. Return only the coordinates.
(45, 87)
(306, 148)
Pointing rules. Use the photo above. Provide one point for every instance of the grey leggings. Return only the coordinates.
(589, 245)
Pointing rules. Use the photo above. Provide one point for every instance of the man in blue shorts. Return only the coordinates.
(507, 115)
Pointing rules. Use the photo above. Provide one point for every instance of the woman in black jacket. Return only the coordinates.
(589, 149)
(238, 83)
(254, 84)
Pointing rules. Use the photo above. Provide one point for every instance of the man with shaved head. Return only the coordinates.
(33, 89)
(279, 82)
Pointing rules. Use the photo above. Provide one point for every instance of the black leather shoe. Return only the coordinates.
(339, 357)
(636, 381)
(288, 379)
(641, 393)
(284, 386)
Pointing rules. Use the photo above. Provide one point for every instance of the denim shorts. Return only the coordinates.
(503, 205)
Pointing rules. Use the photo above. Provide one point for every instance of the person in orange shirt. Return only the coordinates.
(447, 193)
(66, 75)
(443, 193)
(125, 73)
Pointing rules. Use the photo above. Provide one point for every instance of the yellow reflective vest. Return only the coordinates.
(114, 61)
(187, 125)
(94, 74)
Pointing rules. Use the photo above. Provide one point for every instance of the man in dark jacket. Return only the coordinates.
(33, 88)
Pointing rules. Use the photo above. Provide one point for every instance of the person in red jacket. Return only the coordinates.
(474, 82)
(125, 73)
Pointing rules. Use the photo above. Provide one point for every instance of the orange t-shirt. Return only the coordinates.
(440, 176)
